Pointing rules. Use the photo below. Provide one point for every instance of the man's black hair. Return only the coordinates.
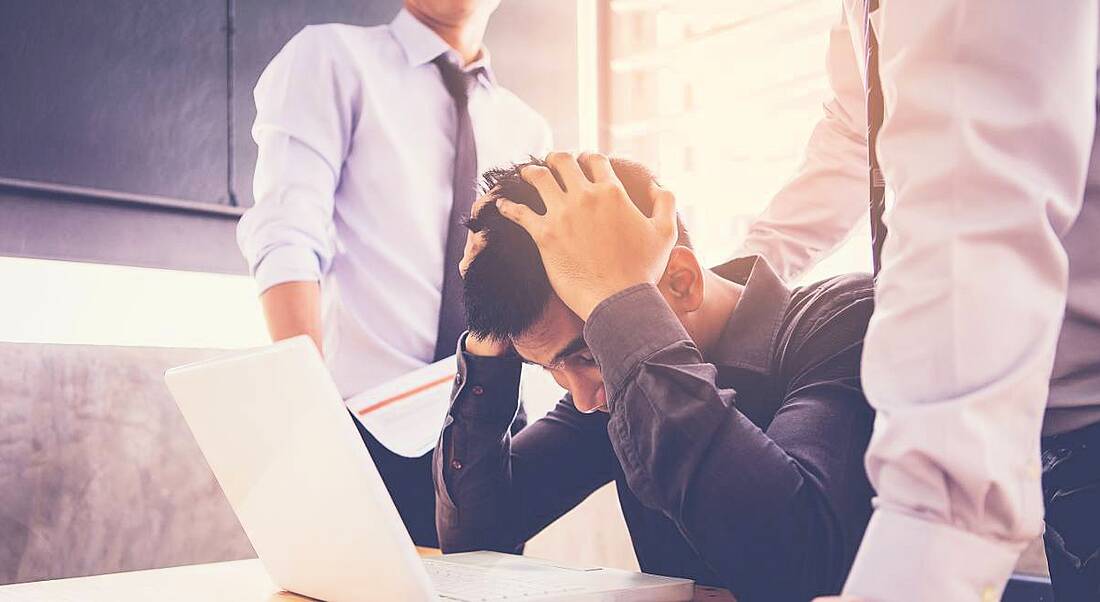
(506, 287)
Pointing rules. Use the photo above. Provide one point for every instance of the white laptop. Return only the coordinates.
(282, 445)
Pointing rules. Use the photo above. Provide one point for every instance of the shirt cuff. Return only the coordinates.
(287, 264)
(487, 388)
(626, 329)
(903, 557)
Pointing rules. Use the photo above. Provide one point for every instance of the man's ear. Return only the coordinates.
(682, 283)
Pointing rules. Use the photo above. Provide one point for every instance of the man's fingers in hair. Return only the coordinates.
(475, 243)
(568, 170)
(545, 184)
(485, 199)
(521, 215)
(598, 166)
(664, 209)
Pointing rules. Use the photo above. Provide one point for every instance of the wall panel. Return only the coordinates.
(98, 471)
(117, 95)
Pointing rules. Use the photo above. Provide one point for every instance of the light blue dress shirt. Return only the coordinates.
(353, 184)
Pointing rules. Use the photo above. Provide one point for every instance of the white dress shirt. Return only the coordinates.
(989, 122)
(353, 184)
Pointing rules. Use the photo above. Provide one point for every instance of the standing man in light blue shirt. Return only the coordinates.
(370, 141)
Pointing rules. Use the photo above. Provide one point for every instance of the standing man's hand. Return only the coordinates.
(593, 240)
(475, 241)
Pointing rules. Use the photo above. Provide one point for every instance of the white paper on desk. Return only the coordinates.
(406, 414)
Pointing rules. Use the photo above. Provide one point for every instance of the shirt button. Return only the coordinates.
(477, 390)
(456, 464)
(458, 379)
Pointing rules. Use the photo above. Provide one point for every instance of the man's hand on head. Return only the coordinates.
(594, 241)
(475, 241)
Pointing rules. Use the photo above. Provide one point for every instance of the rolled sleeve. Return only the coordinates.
(626, 329)
(302, 134)
(286, 264)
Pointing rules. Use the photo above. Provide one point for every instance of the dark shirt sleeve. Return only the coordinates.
(762, 509)
(495, 491)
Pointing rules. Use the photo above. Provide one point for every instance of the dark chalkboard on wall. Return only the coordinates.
(116, 95)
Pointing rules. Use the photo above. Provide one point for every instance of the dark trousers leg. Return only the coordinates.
(409, 481)
(1071, 492)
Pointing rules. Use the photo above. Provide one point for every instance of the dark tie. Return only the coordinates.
(874, 122)
(452, 313)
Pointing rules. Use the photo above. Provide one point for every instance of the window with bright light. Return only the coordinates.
(718, 97)
(71, 302)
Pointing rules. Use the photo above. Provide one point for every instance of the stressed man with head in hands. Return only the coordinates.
(726, 406)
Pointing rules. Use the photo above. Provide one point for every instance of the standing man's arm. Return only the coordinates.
(293, 308)
(305, 117)
(827, 199)
(990, 109)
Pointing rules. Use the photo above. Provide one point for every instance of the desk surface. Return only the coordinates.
(238, 581)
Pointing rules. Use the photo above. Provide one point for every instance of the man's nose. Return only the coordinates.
(584, 392)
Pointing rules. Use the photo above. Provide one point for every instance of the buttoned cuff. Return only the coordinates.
(487, 388)
(626, 329)
(903, 557)
(287, 264)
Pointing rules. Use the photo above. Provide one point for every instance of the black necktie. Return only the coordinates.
(452, 313)
(874, 122)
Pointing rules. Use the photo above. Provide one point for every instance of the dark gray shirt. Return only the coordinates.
(742, 469)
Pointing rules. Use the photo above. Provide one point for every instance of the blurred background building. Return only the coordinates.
(718, 97)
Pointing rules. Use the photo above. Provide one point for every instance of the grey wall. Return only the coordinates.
(98, 471)
(147, 106)
(122, 95)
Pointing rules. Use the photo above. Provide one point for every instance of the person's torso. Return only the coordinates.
(393, 202)
(659, 544)
(1075, 382)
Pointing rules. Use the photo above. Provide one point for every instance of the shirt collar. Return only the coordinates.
(749, 337)
(421, 45)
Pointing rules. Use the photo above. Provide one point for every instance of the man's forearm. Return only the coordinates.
(472, 459)
(292, 309)
(819, 207)
(687, 451)
(495, 491)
